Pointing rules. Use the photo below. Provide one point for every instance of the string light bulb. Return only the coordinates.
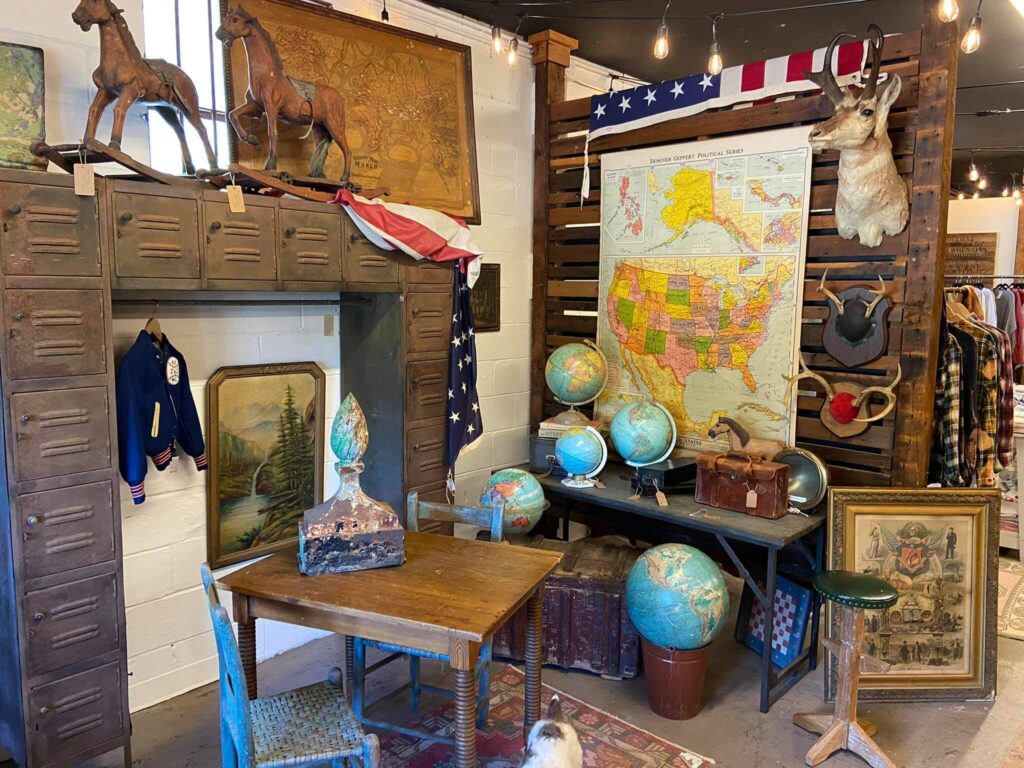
(496, 42)
(960, 195)
(661, 39)
(972, 173)
(1006, 191)
(513, 49)
(384, 15)
(976, 195)
(972, 37)
(715, 57)
(983, 182)
(948, 10)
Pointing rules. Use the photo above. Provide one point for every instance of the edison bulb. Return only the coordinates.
(976, 195)
(1016, 193)
(972, 38)
(960, 195)
(1006, 191)
(948, 10)
(661, 42)
(513, 49)
(1018, 201)
(973, 173)
(496, 43)
(983, 182)
(715, 60)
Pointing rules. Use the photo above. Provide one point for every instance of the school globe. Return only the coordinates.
(643, 433)
(522, 496)
(576, 373)
(676, 597)
(580, 450)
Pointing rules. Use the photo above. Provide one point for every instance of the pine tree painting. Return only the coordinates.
(267, 426)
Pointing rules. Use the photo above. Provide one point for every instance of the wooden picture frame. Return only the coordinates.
(971, 253)
(485, 298)
(940, 637)
(357, 56)
(247, 414)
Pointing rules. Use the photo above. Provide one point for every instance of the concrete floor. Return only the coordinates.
(183, 732)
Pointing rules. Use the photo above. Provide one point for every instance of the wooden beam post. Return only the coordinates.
(926, 263)
(551, 54)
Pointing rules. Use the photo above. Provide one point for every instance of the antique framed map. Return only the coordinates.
(702, 259)
(939, 548)
(408, 103)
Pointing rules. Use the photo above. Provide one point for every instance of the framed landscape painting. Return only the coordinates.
(408, 103)
(939, 548)
(22, 106)
(265, 440)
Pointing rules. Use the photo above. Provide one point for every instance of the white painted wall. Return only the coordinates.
(170, 644)
(990, 214)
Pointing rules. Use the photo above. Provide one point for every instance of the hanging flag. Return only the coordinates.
(645, 105)
(464, 422)
(419, 232)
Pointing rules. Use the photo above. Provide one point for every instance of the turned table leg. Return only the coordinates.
(534, 634)
(350, 650)
(465, 718)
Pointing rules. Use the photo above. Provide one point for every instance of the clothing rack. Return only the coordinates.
(984, 277)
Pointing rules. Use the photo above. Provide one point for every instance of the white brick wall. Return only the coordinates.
(170, 644)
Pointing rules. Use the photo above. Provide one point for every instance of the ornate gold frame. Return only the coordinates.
(982, 504)
(214, 556)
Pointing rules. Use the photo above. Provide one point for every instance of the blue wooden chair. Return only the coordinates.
(307, 726)
(416, 510)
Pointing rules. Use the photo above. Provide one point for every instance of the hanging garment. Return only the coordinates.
(968, 398)
(948, 421)
(1018, 346)
(987, 402)
(970, 297)
(1006, 315)
(155, 410)
(988, 303)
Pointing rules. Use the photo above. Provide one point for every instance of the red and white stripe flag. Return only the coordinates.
(419, 232)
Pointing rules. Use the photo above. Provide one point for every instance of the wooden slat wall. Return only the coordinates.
(566, 250)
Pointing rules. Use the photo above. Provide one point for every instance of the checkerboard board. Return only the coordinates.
(792, 611)
(786, 606)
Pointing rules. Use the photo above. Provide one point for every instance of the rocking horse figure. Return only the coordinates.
(740, 439)
(280, 97)
(125, 76)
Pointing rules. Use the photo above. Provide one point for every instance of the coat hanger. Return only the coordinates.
(152, 326)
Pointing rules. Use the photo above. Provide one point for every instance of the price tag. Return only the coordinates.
(599, 484)
(634, 497)
(85, 180)
(751, 499)
(236, 203)
(662, 499)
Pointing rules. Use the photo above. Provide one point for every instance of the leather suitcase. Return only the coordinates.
(742, 483)
(585, 621)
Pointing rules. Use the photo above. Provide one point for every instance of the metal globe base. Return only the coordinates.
(579, 481)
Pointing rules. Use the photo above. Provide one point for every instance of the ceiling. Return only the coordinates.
(624, 43)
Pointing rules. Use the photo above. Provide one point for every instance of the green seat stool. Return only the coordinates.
(852, 593)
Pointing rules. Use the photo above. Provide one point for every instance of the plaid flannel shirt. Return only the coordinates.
(987, 404)
(949, 423)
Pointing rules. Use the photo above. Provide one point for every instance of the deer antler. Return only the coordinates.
(877, 42)
(887, 390)
(879, 295)
(806, 373)
(823, 78)
(832, 296)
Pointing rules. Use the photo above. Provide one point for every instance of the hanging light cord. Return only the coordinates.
(665, 12)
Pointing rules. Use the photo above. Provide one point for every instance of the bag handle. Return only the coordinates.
(748, 470)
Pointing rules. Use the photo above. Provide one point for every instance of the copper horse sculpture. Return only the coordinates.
(125, 76)
(280, 97)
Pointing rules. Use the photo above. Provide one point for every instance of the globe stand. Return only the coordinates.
(570, 418)
(579, 481)
(581, 475)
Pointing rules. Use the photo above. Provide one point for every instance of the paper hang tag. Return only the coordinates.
(599, 484)
(662, 499)
(634, 497)
(236, 203)
(751, 499)
(85, 180)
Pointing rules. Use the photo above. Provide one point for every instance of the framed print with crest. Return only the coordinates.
(939, 548)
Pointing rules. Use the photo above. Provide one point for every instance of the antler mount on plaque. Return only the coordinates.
(856, 331)
(847, 411)
(871, 200)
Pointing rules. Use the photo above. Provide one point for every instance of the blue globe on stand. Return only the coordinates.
(643, 433)
(676, 597)
(581, 451)
(576, 373)
(522, 496)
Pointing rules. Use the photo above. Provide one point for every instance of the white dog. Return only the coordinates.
(553, 742)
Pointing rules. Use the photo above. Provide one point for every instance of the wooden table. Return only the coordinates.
(739, 536)
(449, 597)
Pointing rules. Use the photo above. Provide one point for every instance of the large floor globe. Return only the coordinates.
(521, 495)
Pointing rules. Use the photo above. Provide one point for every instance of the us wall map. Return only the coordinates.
(702, 251)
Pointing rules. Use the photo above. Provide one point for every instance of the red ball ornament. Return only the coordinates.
(842, 407)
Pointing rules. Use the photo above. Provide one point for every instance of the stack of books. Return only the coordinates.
(554, 427)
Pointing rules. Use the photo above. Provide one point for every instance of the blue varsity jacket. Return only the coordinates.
(155, 409)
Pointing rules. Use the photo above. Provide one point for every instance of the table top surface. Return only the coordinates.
(683, 510)
(462, 587)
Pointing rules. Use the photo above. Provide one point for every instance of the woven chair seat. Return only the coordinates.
(303, 725)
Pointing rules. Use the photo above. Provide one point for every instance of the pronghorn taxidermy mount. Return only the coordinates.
(847, 411)
(872, 199)
(856, 331)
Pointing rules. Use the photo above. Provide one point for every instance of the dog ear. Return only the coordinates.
(555, 708)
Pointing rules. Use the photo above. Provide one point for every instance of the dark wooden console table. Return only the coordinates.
(741, 537)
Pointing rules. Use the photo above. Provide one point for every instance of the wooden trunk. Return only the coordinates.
(585, 621)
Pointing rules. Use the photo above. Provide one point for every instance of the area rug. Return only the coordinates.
(608, 742)
(1016, 757)
(1011, 598)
